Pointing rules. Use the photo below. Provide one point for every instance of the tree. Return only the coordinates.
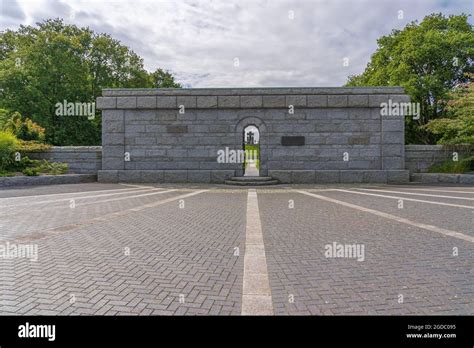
(5, 116)
(163, 79)
(44, 65)
(428, 60)
(458, 126)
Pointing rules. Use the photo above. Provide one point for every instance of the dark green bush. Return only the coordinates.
(18, 166)
(464, 165)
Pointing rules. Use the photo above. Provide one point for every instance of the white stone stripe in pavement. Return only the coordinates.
(67, 206)
(431, 228)
(3, 199)
(77, 198)
(434, 189)
(128, 197)
(417, 194)
(407, 199)
(256, 295)
(134, 185)
(111, 216)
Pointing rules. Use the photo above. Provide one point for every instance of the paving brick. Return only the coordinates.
(189, 251)
(295, 242)
(170, 248)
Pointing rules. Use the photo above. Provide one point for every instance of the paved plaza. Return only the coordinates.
(124, 249)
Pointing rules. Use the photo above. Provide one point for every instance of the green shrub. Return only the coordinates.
(24, 128)
(32, 146)
(54, 168)
(31, 171)
(34, 167)
(464, 165)
(8, 146)
(5, 173)
(25, 162)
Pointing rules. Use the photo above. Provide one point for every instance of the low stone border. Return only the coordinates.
(284, 176)
(340, 176)
(165, 176)
(47, 180)
(432, 178)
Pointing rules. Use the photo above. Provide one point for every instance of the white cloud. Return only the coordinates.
(198, 40)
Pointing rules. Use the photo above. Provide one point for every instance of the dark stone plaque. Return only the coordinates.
(292, 141)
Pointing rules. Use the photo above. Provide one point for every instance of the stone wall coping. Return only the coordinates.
(423, 147)
(122, 92)
(245, 98)
(72, 149)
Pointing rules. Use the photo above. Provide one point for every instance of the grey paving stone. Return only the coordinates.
(295, 243)
(171, 250)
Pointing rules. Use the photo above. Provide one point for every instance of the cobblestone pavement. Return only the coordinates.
(108, 249)
(402, 263)
(172, 258)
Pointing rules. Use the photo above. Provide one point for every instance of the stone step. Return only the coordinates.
(252, 183)
(252, 178)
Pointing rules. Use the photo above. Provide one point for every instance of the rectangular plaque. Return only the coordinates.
(292, 141)
(177, 129)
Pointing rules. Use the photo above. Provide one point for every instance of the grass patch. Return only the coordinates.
(464, 165)
(255, 148)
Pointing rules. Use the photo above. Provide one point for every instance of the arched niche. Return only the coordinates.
(239, 141)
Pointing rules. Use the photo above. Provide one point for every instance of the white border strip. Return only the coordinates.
(407, 199)
(417, 194)
(109, 217)
(256, 294)
(2, 199)
(433, 190)
(431, 228)
(77, 198)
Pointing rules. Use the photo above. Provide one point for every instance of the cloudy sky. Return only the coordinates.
(241, 43)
